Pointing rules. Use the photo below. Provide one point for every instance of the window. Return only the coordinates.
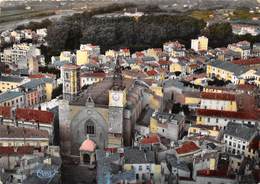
(200, 118)
(217, 120)
(90, 127)
(140, 168)
(66, 75)
(137, 176)
(243, 147)
(208, 119)
(147, 167)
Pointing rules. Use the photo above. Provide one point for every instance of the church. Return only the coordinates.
(106, 113)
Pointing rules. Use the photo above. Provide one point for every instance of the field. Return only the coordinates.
(8, 16)
(202, 14)
(243, 14)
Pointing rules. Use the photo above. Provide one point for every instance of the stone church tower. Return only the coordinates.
(117, 102)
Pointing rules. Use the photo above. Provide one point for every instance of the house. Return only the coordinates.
(200, 44)
(177, 167)
(206, 130)
(167, 125)
(242, 47)
(174, 49)
(86, 52)
(28, 118)
(144, 165)
(226, 71)
(253, 149)
(19, 136)
(109, 168)
(13, 99)
(221, 118)
(9, 82)
(218, 101)
(186, 151)
(36, 91)
(237, 137)
(205, 160)
(90, 78)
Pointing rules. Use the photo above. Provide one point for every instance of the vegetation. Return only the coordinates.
(26, 15)
(243, 14)
(36, 25)
(137, 34)
(57, 91)
(220, 34)
(202, 14)
(46, 69)
(218, 82)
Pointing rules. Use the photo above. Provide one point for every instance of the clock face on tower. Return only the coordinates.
(115, 96)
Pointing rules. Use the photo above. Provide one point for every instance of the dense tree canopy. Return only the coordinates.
(141, 33)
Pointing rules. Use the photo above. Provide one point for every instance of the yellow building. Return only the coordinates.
(82, 57)
(226, 71)
(204, 130)
(200, 44)
(110, 53)
(65, 56)
(70, 75)
(219, 101)
(10, 82)
(176, 67)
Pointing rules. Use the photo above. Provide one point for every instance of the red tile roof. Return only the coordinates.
(255, 143)
(228, 114)
(94, 74)
(153, 139)
(218, 96)
(152, 72)
(163, 62)
(215, 173)
(35, 115)
(5, 112)
(187, 147)
(252, 61)
(21, 150)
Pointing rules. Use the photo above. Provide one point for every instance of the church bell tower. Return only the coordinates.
(117, 101)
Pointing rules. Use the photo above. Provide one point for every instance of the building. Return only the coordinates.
(144, 165)
(176, 167)
(70, 76)
(203, 130)
(237, 137)
(218, 101)
(167, 125)
(243, 47)
(28, 118)
(10, 82)
(86, 52)
(106, 111)
(221, 118)
(185, 151)
(12, 99)
(206, 160)
(11, 136)
(200, 44)
(90, 78)
(226, 71)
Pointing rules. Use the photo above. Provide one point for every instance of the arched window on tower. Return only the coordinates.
(89, 127)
